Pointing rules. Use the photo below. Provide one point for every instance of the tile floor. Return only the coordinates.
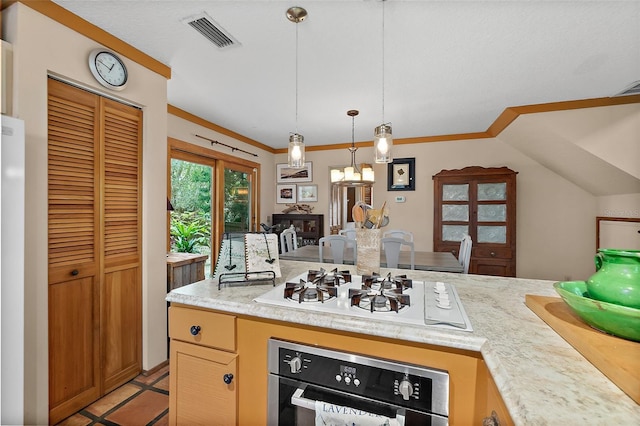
(142, 401)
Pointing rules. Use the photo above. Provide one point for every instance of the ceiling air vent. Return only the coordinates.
(632, 89)
(211, 30)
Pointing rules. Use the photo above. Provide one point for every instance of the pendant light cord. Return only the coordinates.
(383, 57)
(353, 131)
(297, 78)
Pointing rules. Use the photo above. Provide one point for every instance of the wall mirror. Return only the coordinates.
(343, 197)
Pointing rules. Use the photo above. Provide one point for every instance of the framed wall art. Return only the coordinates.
(285, 194)
(307, 193)
(401, 175)
(286, 174)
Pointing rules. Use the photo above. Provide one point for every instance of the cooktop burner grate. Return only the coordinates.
(320, 286)
(382, 294)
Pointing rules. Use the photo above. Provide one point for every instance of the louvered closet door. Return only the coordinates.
(74, 254)
(95, 297)
(122, 290)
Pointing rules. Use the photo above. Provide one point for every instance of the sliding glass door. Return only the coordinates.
(211, 193)
(191, 196)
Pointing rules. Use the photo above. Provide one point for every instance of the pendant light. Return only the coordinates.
(351, 175)
(382, 137)
(295, 153)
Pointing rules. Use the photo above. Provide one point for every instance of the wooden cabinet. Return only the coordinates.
(203, 366)
(480, 202)
(309, 227)
(184, 268)
(94, 246)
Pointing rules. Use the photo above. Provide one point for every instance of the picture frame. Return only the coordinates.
(285, 194)
(307, 193)
(286, 174)
(401, 175)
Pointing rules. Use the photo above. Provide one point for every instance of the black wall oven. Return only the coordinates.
(309, 384)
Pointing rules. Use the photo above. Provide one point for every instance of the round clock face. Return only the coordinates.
(108, 69)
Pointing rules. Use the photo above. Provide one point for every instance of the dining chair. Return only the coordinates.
(464, 254)
(288, 240)
(398, 233)
(337, 244)
(392, 246)
(351, 236)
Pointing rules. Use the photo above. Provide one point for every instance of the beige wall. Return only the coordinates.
(612, 133)
(54, 48)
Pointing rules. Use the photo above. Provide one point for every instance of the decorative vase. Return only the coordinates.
(367, 251)
(617, 277)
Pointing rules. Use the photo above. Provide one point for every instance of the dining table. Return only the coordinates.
(424, 260)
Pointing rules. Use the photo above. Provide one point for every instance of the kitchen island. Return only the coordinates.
(539, 376)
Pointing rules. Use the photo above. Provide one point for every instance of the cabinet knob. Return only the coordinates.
(493, 254)
(75, 272)
(228, 378)
(195, 329)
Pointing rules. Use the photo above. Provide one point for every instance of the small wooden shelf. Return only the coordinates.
(184, 268)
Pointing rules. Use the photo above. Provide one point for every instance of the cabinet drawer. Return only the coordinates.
(492, 252)
(203, 328)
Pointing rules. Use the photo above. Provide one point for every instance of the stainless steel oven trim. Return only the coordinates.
(439, 378)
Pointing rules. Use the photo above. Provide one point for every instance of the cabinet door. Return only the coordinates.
(199, 394)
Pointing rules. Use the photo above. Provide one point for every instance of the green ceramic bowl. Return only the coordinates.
(614, 319)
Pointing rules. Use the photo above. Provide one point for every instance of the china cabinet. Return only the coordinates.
(479, 202)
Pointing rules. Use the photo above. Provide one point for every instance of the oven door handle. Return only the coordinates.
(300, 401)
(309, 404)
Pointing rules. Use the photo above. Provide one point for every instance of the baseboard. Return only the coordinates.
(156, 368)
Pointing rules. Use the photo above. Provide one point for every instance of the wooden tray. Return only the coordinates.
(616, 358)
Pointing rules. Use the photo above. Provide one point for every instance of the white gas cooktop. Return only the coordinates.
(434, 304)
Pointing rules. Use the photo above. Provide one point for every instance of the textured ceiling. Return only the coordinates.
(449, 66)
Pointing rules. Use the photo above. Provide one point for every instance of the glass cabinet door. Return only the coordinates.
(492, 213)
(455, 212)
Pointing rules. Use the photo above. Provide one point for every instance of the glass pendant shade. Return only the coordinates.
(383, 144)
(296, 151)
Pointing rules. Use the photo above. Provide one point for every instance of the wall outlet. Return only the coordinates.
(400, 199)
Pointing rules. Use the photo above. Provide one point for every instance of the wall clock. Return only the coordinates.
(108, 69)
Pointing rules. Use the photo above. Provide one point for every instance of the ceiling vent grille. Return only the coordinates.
(211, 30)
(632, 89)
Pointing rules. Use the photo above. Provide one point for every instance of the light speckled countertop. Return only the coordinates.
(541, 378)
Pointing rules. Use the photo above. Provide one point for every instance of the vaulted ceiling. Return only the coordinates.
(449, 67)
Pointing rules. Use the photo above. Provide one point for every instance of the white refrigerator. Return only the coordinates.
(12, 208)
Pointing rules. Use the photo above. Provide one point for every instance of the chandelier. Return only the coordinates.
(351, 175)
